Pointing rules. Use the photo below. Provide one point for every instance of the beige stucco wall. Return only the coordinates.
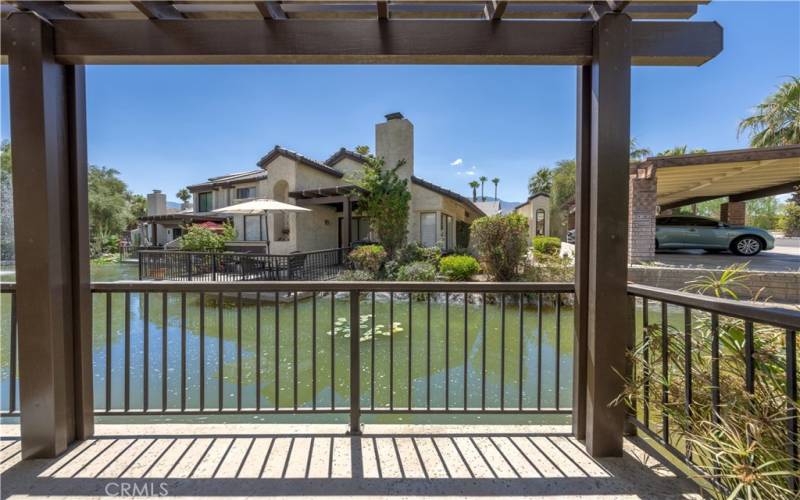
(425, 200)
(348, 166)
(529, 211)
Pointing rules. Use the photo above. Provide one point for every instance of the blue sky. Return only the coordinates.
(168, 126)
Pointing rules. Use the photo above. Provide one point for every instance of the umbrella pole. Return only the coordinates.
(266, 226)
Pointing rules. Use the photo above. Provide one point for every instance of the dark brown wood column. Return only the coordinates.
(48, 135)
(608, 240)
(347, 221)
(582, 232)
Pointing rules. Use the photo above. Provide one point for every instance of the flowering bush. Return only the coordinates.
(459, 267)
(368, 258)
(200, 239)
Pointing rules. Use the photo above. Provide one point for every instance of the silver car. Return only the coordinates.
(674, 232)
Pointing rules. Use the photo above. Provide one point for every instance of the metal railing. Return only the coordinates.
(9, 372)
(240, 266)
(688, 330)
(325, 347)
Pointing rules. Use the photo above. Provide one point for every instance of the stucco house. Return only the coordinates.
(537, 210)
(437, 216)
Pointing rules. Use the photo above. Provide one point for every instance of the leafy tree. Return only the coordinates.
(638, 153)
(201, 239)
(502, 243)
(184, 195)
(681, 150)
(483, 179)
(495, 181)
(362, 150)
(6, 204)
(109, 201)
(474, 185)
(138, 204)
(541, 182)
(385, 202)
(776, 121)
(763, 212)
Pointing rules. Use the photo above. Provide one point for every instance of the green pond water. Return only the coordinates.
(450, 353)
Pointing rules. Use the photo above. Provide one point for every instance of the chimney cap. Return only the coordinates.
(156, 191)
(394, 116)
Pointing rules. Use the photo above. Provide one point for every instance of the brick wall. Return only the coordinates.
(781, 287)
(733, 212)
(641, 214)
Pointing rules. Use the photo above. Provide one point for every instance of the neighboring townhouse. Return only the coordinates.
(537, 210)
(437, 216)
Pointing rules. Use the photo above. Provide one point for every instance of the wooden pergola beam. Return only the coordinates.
(271, 10)
(50, 10)
(158, 10)
(361, 41)
(788, 187)
(383, 10)
(495, 10)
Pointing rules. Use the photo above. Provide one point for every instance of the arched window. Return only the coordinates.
(540, 222)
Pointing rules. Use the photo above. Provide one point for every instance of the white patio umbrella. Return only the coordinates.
(261, 206)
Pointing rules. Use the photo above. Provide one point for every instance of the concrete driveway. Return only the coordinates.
(784, 257)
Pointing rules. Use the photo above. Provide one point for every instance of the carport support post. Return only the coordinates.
(608, 239)
(48, 134)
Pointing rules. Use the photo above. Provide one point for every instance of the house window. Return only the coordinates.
(448, 236)
(204, 202)
(540, 222)
(252, 228)
(243, 193)
(427, 229)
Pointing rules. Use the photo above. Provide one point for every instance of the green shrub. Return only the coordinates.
(417, 271)
(368, 258)
(549, 245)
(389, 271)
(790, 220)
(413, 252)
(551, 268)
(355, 275)
(502, 243)
(200, 239)
(459, 267)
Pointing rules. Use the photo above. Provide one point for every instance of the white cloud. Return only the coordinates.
(469, 172)
(456, 162)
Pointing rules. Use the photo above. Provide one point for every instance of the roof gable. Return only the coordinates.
(287, 153)
(345, 153)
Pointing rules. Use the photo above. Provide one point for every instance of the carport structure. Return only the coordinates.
(667, 182)
(47, 43)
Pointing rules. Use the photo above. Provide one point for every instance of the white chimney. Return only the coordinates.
(394, 142)
(156, 203)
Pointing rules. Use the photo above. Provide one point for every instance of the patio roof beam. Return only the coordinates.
(99, 41)
(788, 187)
(271, 10)
(383, 10)
(495, 10)
(158, 10)
(688, 201)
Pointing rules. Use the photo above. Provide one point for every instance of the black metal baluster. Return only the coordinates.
(646, 356)
(294, 347)
(12, 390)
(483, 353)
(428, 351)
(391, 351)
(333, 351)
(791, 409)
(202, 360)
(164, 334)
(146, 353)
(558, 351)
(521, 351)
(258, 351)
(108, 351)
(687, 368)
(539, 337)
(314, 350)
(127, 351)
(410, 334)
(750, 367)
(372, 357)
(220, 353)
(447, 351)
(664, 371)
(502, 351)
(466, 354)
(355, 365)
(715, 400)
(183, 351)
(239, 351)
(277, 352)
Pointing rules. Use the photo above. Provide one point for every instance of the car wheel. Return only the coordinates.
(746, 245)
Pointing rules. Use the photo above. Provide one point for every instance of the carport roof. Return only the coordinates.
(741, 175)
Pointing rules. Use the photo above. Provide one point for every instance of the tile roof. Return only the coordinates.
(230, 179)
(280, 151)
(446, 192)
(345, 153)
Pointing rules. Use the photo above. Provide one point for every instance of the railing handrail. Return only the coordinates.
(765, 313)
(331, 286)
(238, 254)
(8, 287)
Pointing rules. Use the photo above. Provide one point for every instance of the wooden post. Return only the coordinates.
(582, 232)
(347, 222)
(608, 242)
(48, 134)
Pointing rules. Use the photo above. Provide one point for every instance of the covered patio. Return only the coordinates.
(46, 45)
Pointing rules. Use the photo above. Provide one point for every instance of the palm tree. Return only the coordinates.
(541, 182)
(183, 195)
(495, 181)
(681, 150)
(637, 153)
(483, 179)
(776, 121)
(474, 185)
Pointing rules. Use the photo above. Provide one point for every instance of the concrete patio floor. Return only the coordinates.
(319, 460)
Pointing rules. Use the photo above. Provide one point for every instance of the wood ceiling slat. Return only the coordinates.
(50, 10)
(158, 10)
